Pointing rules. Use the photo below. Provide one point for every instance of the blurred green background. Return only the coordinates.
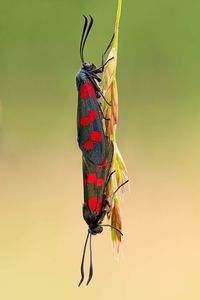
(41, 227)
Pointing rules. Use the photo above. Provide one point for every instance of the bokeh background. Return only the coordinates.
(41, 227)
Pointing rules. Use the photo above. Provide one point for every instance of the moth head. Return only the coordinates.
(88, 66)
(97, 229)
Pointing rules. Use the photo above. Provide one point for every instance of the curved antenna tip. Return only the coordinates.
(88, 281)
(80, 282)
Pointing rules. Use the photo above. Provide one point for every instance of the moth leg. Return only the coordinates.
(93, 76)
(102, 95)
(101, 69)
(102, 215)
(97, 88)
(107, 204)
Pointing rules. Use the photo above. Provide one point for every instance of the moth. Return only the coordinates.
(96, 205)
(97, 149)
(91, 138)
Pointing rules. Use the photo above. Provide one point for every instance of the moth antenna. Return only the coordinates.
(83, 33)
(83, 259)
(112, 198)
(91, 265)
(108, 225)
(85, 38)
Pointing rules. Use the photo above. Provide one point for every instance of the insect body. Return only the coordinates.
(91, 137)
(95, 207)
(97, 149)
(95, 179)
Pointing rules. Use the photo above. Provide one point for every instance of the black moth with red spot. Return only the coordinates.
(91, 138)
(97, 149)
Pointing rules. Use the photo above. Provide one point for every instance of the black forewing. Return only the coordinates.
(85, 106)
(91, 189)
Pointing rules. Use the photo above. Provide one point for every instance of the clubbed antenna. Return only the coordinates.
(84, 36)
(91, 264)
(83, 259)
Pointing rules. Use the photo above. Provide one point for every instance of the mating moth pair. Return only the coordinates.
(97, 148)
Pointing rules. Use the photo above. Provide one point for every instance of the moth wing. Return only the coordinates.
(95, 178)
(91, 138)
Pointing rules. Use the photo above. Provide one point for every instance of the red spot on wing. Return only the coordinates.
(92, 203)
(83, 91)
(92, 115)
(90, 89)
(99, 182)
(87, 89)
(89, 145)
(96, 136)
(85, 121)
(99, 204)
(91, 178)
(104, 163)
